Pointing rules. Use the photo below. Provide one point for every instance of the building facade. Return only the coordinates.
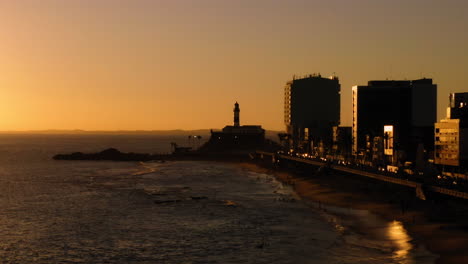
(451, 134)
(311, 109)
(401, 114)
(458, 108)
(341, 148)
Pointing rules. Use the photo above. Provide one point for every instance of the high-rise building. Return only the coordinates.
(451, 134)
(311, 109)
(401, 113)
(458, 108)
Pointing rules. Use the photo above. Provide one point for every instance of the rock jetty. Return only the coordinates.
(111, 154)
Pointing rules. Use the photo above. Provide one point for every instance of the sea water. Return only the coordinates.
(173, 212)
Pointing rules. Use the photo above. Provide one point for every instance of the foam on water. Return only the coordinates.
(176, 212)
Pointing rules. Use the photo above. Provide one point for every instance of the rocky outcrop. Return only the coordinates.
(108, 154)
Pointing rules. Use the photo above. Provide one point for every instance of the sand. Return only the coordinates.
(444, 238)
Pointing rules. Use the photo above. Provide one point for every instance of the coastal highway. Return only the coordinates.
(418, 186)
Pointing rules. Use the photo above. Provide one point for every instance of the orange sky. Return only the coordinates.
(142, 64)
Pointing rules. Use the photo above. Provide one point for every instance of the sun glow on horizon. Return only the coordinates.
(152, 65)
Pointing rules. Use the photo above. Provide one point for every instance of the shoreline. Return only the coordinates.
(444, 239)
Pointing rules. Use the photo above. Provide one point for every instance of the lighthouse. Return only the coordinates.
(236, 115)
(237, 137)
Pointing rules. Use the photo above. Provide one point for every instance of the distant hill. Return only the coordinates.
(270, 134)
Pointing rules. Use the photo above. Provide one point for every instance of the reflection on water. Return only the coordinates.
(397, 233)
(370, 237)
(176, 212)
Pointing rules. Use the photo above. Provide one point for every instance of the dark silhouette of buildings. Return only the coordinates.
(458, 108)
(451, 134)
(236, 137)
(311, 109)
(393, 119)
(342, 140)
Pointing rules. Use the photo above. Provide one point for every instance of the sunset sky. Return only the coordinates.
(151, 65)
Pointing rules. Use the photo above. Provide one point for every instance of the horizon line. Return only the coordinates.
(109, 131)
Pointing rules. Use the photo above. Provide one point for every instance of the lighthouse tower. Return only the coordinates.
(236, 114)
(236, 137)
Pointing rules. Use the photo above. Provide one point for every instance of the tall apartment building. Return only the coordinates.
(401, 114)
(458, 107)
(451, 134)
(311, 109)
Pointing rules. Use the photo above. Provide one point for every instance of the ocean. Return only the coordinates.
(174, 212)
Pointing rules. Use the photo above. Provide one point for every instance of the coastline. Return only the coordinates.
(444, 239)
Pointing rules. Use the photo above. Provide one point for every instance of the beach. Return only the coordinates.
(446, 239)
